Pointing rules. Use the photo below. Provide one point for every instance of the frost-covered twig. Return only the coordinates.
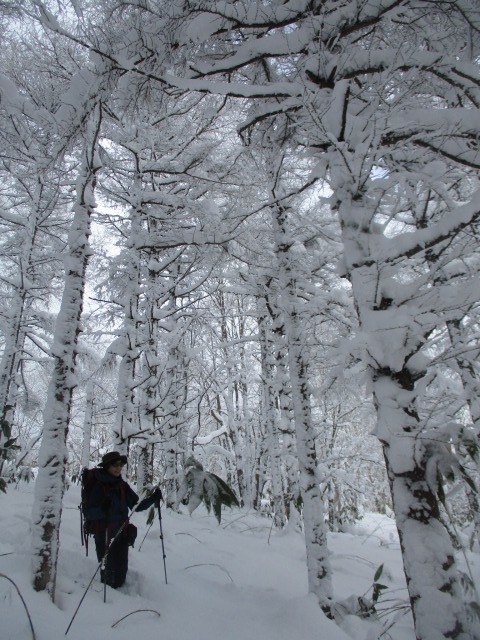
(372, 533)
(400, 613)
(350, 556)
(262, 528)
(2, 575)
(210, 564)
(136, 611)
(241, 517)
(403, 607)
(271, 527)
(181, 533)
(463, 551)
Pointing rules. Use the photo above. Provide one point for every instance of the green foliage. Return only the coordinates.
(470, 598)
(202, 486)
(147, 492)
(151, 515)
(7, 446)
(471, 447)
(377, 587)
(448, 467)
(7, 443)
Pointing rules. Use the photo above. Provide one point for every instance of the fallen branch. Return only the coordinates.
(2, 575)
(188, 534)
(136, 611)
(210, 564)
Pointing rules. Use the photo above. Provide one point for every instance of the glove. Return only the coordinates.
(157, 496)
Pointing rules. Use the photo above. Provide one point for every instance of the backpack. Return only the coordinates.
(88, 479)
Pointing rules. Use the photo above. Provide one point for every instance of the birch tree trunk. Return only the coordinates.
(233, 401)
(50, 483)
(271, 415)
(466, 370)
(15, 338)
(173, 427)
(286, 426)
(464, 365)
(14, 343)
(175, 393)
(144, 467)
(87, 426)
(428, 555)
(129, 350)
(318, 563)
(244, 414)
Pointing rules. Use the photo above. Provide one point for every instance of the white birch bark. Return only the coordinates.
(15, 338)
(244, 422)
(149, 410)
(271, 414)
(233, 402)
(172, 430)
(466, 361)
(13, 347)
(471, 385)
(428, 556)
(50, 483)
(287, 427)
(318, 563)
(144, 467)
(129, 350)
(87, 426)
(174, 391)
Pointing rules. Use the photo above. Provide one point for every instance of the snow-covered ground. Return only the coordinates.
(235, 581)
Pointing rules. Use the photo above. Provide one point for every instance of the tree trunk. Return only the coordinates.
(236, 430)
(174, 405)
(145, 467)
(129, 351)
(50, 483)
(318, 563)
(15, 338)
(270, 417)
(87, 426)
(471, 385)
(433, 581)
(427, 551)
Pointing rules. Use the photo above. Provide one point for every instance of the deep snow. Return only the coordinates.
(235, 581)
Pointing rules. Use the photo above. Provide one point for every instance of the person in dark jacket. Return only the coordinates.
(107, 510)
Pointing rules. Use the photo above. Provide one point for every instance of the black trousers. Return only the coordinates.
(117, 559)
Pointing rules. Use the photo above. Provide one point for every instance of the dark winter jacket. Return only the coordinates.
(109, 503)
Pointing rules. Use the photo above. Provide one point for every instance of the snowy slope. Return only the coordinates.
(236, 581)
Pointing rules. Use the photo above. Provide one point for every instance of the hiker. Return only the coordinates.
(106, 510)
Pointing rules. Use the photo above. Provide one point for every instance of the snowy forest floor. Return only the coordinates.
(235, 581)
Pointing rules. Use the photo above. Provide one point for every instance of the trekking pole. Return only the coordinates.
(163, 545)
(145, 536)
(103, 563)
(83, 597)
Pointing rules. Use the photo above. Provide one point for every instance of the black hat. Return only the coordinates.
(111, 457)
